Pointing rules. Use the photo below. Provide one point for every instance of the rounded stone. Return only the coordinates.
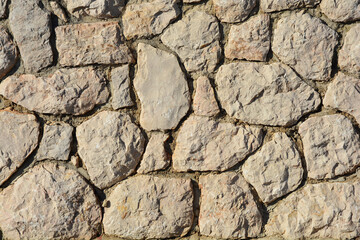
(349, 54)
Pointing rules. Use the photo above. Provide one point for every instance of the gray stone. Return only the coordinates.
(233, 11)
(8, 53)
(279, 5)
(95, 8)
(120, 86)
(349, 57)
(204, 103)
(341, 10)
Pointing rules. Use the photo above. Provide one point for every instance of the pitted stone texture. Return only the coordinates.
(341, 10)
(8, 52)
(232, 11)
(3, 4)
(205, 103)
(50, 201)
(162, 89)
(279, 5)
(110, 145)
(331, 146)
(276, 169)
(198, 47)
(18, 138)
(250, 40)
(95, 8)
(349, 57)
(67, 91)
(228, 208)
(295, 34)
(58, 11)
(120, 86)
(264, 94)
(205, 145)
(150, 207)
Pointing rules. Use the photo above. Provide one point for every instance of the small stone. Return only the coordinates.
(205, 103)
(110, 145)
(95, 8)
(58, 11)
(150, 207)
(162, 89)
(233, 11)
(3, 4)
(331, 146)
(207, 145)
(228, 208)
(275, 170)
(198, 47)
(279, 5)
(341, 10)
(8, 52)
(50, 201)
(250, 40)
(75, 160)
(120, 86)
(306, 44)
(258, 93)
(349, 58)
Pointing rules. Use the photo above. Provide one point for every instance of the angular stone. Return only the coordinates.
(205, 103)
(95, 8)
(161, 87)
(3, 4)
(233, 11)
(264, 94)
(341, 10)
(228, 208)
(349, 57)
(331, 146)
(250, 40)
(206, 145)
(275, 170)
(58, 11)
(110, 145)
(67, 91)
(295, 34)
(50, 201)
(120, 86)
(91, 43)
(198, 47)
(279, 5)
(8, 52)
(18, 138)
(150, 207)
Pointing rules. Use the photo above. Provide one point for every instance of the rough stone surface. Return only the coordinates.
(161, 87)
(204, 145)
(264, 94)
(95, 8)
(232, 11)
(279, 5)
(120, 86)
(191, 1)
(341, 10)
(349, 57)
(8, 52)
(331, 146)
(205, 103)
(58, 11)
(159, 208)
(305, 44)
(276, 169)
(67, 91)
(3, 4)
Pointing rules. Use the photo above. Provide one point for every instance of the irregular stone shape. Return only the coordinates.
(331, 146)
(67, 91)
(250, 40)
(110, 145)
(295, 34)
(58, 11)
(33, 35)
(228, 208)
(341, 10)
(275, 170)
(205, 145)
(150, 207)
(3, 4)
(232, 11)
(95, 8)
(91, 43)
(204, 100)
(8, 52)
(120, 86)
(161, 87)
(349, 59)
(279, 5)
(198, 47)
(50, 201)
(324, 210)
(18, 138)
(264, 94)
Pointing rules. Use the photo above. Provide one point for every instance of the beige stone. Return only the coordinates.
(3, 5)
(349, 58)
(279, 5)
(8, 52)
(191, 1)
(232, 11)
(120, 86)
(341, 10)
(95, 8)
(58, 11)
(204, 103)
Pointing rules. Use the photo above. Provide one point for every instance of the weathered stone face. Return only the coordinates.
(205, 103)
(341, 10)
(95, 8)
(8, 52)
(3, 4)
(278, 5)
(233, 11)
(120, 86)
(349, 59)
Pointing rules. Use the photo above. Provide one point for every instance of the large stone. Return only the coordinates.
(8, 52)
(204, 103)
(161, 87)
(264, 94)
(95, 8)
(349, 57)
(120, 86)
(150, 207)
(279, 5)
(305, 44)
(228, 208)
(233, 11)
(198, 47)
(276, 169)
(67, 91)
(50, 201)
(3, 4)
(110, 145)
(205, 145)
(331, 146)
(341, 10)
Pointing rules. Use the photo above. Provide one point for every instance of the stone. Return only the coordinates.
(120, 86)
(33, 35)
(228, 208)
(268, 94)
(91, 43)
(275, 170)
(150, 207)
(161, 87)
(110, 145)
(295, 34)
(8, 52)
(67, 91)
(18, 139)
(233, 11)
(279, 5)
(58, 11)
(349, 59)
(3, 5)
(95, 8)
(249, 40)
(191, 1)
(341, 10)
(208, 145)
(331, 146)
(198, 47)
(50, 201)
(204, 103)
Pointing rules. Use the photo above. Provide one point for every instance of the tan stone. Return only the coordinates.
(279, 5)
(120, 86)
(349, 59)
(204, 103)
(8, 52)
(3, 5)
(341, 10)
(95, 8)
(191, 1)
(232, 11)
(58, 11)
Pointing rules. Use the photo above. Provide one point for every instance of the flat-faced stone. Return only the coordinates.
(205, 145)
(150, 207)
(204, 103)
(67, 91)
(232, 11)
(295, 34)
(349, 56)
(3, 4)
(264, 94)
(341, 10)
(8, 52)
(279, 5)
(95, 8)
(120, 86)
(161, 87)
